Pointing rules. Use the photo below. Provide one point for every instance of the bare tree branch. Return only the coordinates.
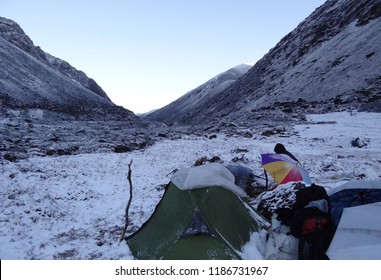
(126, 218)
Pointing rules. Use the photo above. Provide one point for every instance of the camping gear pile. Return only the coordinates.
(343, 223)
(203, 214)
(308, 220)
(327, 225)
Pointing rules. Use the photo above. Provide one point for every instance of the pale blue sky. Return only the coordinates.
(147, 53)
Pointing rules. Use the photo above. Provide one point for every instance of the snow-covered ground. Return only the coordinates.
(72, 207)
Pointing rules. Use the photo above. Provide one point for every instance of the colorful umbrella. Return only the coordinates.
(284, 169)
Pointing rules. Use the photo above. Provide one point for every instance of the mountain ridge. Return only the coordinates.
(210, 89)
(14, 34)
(33, 79)
(331, 60)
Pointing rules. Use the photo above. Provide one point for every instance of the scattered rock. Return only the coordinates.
(360, 142)
(205, 159)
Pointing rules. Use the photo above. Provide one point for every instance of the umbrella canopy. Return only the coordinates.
(284, 169)
(358, 235)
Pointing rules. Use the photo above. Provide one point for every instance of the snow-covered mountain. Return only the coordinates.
(33, 79)
(330, 60)
(209, 90)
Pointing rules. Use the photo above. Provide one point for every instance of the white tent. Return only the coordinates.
(353, 193)
(356, 184)
(358, 235)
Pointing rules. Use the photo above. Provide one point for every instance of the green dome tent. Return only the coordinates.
(200, 216)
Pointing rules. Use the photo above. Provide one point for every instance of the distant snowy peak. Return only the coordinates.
(221, 81)
(243, 68)
(233, 73)
(185, 104)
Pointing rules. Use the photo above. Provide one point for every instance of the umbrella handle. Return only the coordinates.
(267, 179)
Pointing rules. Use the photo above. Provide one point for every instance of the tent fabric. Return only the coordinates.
(358, 235)
(244, 176)
(353, 193)
(356, 185)
(211, 174)
(208, 222)
(197, 225)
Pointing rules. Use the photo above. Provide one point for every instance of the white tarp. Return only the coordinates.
(207, 175)
(280, 245)
(358, 235)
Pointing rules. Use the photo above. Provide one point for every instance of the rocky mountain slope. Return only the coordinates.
(49, 108)
(330, 60)
(187, 102)
(33, 79)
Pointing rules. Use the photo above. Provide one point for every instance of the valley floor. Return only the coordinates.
(72, 206)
